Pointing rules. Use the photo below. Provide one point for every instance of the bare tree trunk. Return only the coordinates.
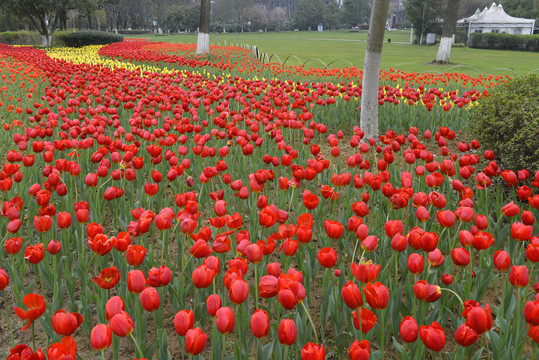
(450, 25)
(203, 44)
(97, 17)
(371, 69)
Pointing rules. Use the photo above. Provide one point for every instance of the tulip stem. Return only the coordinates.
(255, 285)
(136, 345)
(311, 321)
(454, 293)
(102, 354)
(33, 337)
(41, 279)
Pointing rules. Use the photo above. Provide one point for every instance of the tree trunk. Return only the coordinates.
(97, 17)
(203, 44)
(371, 69)
(450, 25)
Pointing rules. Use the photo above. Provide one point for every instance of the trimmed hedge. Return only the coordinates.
(134, 32)
(504, 42)
(85, 38)
(507, 122)
(21, 38)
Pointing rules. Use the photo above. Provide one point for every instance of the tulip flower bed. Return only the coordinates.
(157, 213)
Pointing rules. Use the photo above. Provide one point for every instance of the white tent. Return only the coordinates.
(496, 20)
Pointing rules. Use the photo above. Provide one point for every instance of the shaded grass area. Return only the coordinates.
(335, 46)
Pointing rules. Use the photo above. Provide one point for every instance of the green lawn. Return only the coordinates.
(335, 46)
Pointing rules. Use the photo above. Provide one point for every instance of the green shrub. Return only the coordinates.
(85, 38)
(507, 122)
(134, 32)
(504, 42)
(21, 38)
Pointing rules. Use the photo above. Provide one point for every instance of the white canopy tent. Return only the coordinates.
(495, 19)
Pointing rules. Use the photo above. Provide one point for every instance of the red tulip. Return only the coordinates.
(510, 209)
(365, 272)
(426, 292)
(42, 223)
(367, 317)
(460, 256)
(433, 336)
(446, 218)
(287, 332)
(36, 307)
(4, 279)
(213, 303)
(225, 320)
(34, 254)
(352, 295)
(533, 333)
(259, 323)
(136, 281)
(24, 352)
(115, 305)
(121, 324)
(100, 244)
(465, 335)
(531, 312)
(393, 227)
(150, 300)
(13, 245)
(108, 278)
(327, 257)
(519, 276)
(415, 263)
(502, 260)
(65, 323)
(268, 286)
(63, 220)
(238, 291)
(195, 341)
(408, 329)
(66, 349)
(377, 295)
(135, 254)
(310, 200)
(313, 351)
(158, 277)
(359, 350)
(479, 319)
(184, 321)
(521, 232)
(334, 229)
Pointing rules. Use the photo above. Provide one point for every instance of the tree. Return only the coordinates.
(355, 12)
(333, 13)
(175, 17)
(450, 25)
(309, 13)
(522, 8)
(371, 69)
(422, 15)
(203, 44)
(43, 15)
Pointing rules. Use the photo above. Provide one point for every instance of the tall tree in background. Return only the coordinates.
(355, 12)
(450, 25)
(203, 44)
(43, 15)
(422, 15)
(371, 69)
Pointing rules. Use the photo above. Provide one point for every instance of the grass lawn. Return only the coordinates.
(335, 46)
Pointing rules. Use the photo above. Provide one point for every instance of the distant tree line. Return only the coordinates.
(426, 15)
(181, 15)
(227, 15)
